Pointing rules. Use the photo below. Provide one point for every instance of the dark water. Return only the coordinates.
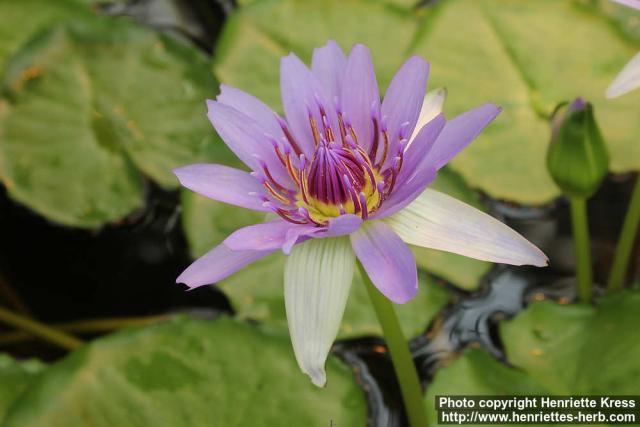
(129, 269)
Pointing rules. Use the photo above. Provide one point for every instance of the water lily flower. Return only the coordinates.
(347, 175)
(629, 77)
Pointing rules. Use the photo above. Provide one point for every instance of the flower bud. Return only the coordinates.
(577, 157)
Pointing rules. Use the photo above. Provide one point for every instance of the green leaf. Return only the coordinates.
(555, 349)
(256, 36)
(579, 349)
(624, 18)
(15, 376)
(188, 373)
(20, 19)
(524, 56)
(94, 106)
(476, 372)
(256, 292)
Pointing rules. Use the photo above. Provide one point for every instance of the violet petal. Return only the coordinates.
(360, 94)
(247, 140)
(217, 264)
(265, 236)
(387, 260)
(403, 100)
(301, 94)
(223, 183)
(252, 107)
(328, 65)
(459, 132)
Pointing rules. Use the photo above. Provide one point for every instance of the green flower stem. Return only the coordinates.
(38, 329)
(582, 247)
(400, 355)
(625, 243)
(88, 326)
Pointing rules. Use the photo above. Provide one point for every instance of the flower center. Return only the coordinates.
(340, 178)
(335, 174)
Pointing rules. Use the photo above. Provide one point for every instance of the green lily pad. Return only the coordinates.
(15, 376)
(255, 37)
(555, 349)
(524, 56)
(579, 349)
(623, 17)
(188, 373)
(476, 372)
(20, 19)
(94, 106)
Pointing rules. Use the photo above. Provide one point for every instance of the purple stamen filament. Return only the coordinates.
(340, 177)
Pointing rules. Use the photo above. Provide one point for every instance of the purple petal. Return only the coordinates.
(267, 236)
(217, 264)
(279, 234)
(252, 107)
(328, 65)
(247, 140)
(296, 235)
(441, 222)
(301, 94)
(360, 94)
(406, 193)
(631, 3)
(223, 183)
(459, 132)
(419, 148)
(339, 226)
(387, 260)
(403, 100)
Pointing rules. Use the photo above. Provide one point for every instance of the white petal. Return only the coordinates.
(431, 107)
(631, 3)
(627, 80)
(317, 279)
(435, 220)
